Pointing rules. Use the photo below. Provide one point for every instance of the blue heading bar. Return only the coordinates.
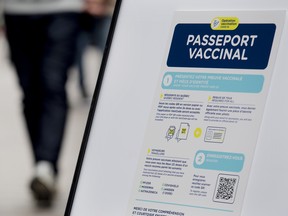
(197, 45)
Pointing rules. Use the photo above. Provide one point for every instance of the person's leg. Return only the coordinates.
(58, 56)
(25, 37)
(82, 43)
(100, 31)
(42, 49)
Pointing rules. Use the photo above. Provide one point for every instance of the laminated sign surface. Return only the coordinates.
(207, 112)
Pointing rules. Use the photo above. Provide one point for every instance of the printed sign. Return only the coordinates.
(207, 111)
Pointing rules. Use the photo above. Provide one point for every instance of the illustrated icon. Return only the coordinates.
(183, 132)
(170, 132)
(215, 134)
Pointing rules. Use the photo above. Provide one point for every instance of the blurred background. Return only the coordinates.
(16, 160)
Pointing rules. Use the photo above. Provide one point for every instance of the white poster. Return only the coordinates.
(207, 112)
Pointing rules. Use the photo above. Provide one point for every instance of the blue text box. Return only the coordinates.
(243, 83)
(223, 161)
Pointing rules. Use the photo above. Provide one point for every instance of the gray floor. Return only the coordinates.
(15, 156)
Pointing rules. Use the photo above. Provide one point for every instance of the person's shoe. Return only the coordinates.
(43, 183)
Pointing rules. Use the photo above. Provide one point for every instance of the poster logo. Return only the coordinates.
(225, 23)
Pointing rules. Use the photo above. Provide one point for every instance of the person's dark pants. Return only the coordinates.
(42, 50)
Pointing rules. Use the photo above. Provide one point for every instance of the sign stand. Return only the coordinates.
(187, 108)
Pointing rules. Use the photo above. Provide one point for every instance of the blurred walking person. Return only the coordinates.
(42, 36)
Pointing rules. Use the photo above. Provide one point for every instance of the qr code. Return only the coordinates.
(226, 188)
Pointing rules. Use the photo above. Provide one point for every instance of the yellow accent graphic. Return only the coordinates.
(209, 98)
(183, 131)
(225, 23)
(149, 151)
(197, 132)
(161, 96)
